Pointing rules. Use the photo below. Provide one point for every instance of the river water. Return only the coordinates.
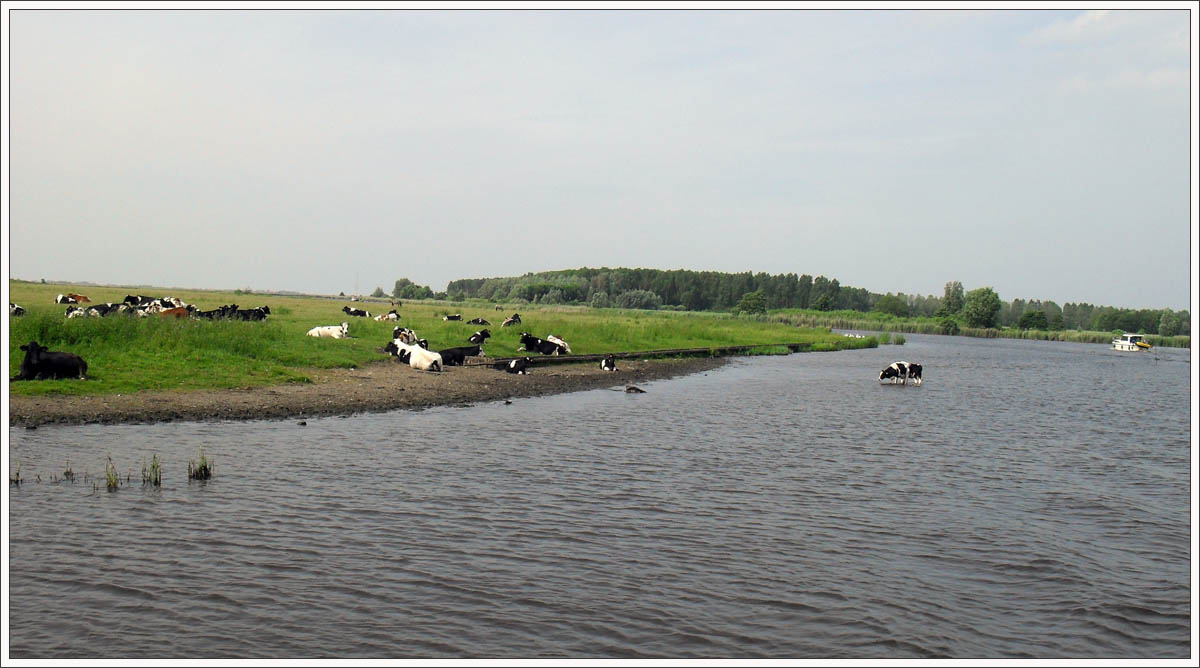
(1031, 499)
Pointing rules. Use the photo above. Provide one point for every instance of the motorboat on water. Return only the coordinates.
(1130, 343)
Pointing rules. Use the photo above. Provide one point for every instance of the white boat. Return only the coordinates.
(1131, 343)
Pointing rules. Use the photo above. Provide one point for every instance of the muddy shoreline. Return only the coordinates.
(382, 386)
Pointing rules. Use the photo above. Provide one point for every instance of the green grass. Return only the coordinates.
(128, 354)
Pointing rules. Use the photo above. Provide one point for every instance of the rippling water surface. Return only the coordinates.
(1030, 500)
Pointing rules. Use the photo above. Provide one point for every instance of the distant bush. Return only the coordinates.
(638, 299)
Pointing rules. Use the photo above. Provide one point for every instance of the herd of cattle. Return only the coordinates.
(405, 346)
(143, 306)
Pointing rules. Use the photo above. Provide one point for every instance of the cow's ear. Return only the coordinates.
(25, 348)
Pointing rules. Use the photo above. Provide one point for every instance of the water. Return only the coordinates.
(1031, 499)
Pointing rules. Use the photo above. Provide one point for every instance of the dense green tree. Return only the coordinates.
(892, 304)
(948, 326)
(379, 292)
(952, 297)
(1033, 319)
(980, 307)
(752, 302)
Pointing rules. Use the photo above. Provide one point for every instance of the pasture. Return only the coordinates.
(127, 354)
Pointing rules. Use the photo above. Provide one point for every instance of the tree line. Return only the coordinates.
(684, 289)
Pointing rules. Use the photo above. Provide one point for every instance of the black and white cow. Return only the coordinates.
(479, 337)
(137, 300)
(40, 363)
(15, 311)
(514, 320)
(259, 313)
(533, 344)
(357, 312)
(453, 316)
(520, 365)
(901, 371)
(390, 315)
(609, 363)
(479, 321)
(64, 299)
(456, 356)
(554, 339)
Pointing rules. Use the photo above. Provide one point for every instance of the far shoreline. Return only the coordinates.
(373, 388)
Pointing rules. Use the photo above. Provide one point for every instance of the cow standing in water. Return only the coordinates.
(901, 371)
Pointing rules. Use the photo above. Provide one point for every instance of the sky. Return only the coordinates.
(1045, 154)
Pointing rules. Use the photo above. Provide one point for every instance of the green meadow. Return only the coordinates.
(127, 354)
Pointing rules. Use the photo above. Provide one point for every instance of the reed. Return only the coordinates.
(112, 479)
(202, 470)
(152, 474)
(69, 473)
(14, 477)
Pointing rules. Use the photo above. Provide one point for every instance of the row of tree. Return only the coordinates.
(721, 291)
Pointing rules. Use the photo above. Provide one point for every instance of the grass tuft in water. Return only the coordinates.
(14, 478)
(202, 470)
(152, 474)
(112, 479)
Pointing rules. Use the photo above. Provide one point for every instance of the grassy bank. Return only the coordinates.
(883, 322)
(127, 354)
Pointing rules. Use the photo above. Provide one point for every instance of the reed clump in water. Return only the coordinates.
(151, 474)
(202, 470)
(14, 478)
(112, 479)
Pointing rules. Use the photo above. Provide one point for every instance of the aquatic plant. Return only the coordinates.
(15, 478)
(898, 340)
(202, 470)
(69, 473)
(152, 474)
(112, 479)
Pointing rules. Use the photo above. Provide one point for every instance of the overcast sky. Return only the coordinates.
(1042, 153)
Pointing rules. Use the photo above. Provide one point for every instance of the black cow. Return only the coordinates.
(40, 363)
(456, 356)
(609, 363)
(138, 300)
(356, 312)
(520, 366)
(480, 336)
(15, 311)
(456, 316)
(533, 344)
(218, 313)
(479, 321)
(901, 371)
(259, 313)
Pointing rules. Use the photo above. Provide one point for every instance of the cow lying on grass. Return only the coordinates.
(456, 356)
(390, 315)
(356, 312)
(40, 363)
(609, 363)
(533, 344)
(341, 331)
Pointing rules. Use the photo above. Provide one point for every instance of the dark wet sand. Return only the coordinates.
(382, 386)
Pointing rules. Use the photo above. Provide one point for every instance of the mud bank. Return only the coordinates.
(382, 386)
